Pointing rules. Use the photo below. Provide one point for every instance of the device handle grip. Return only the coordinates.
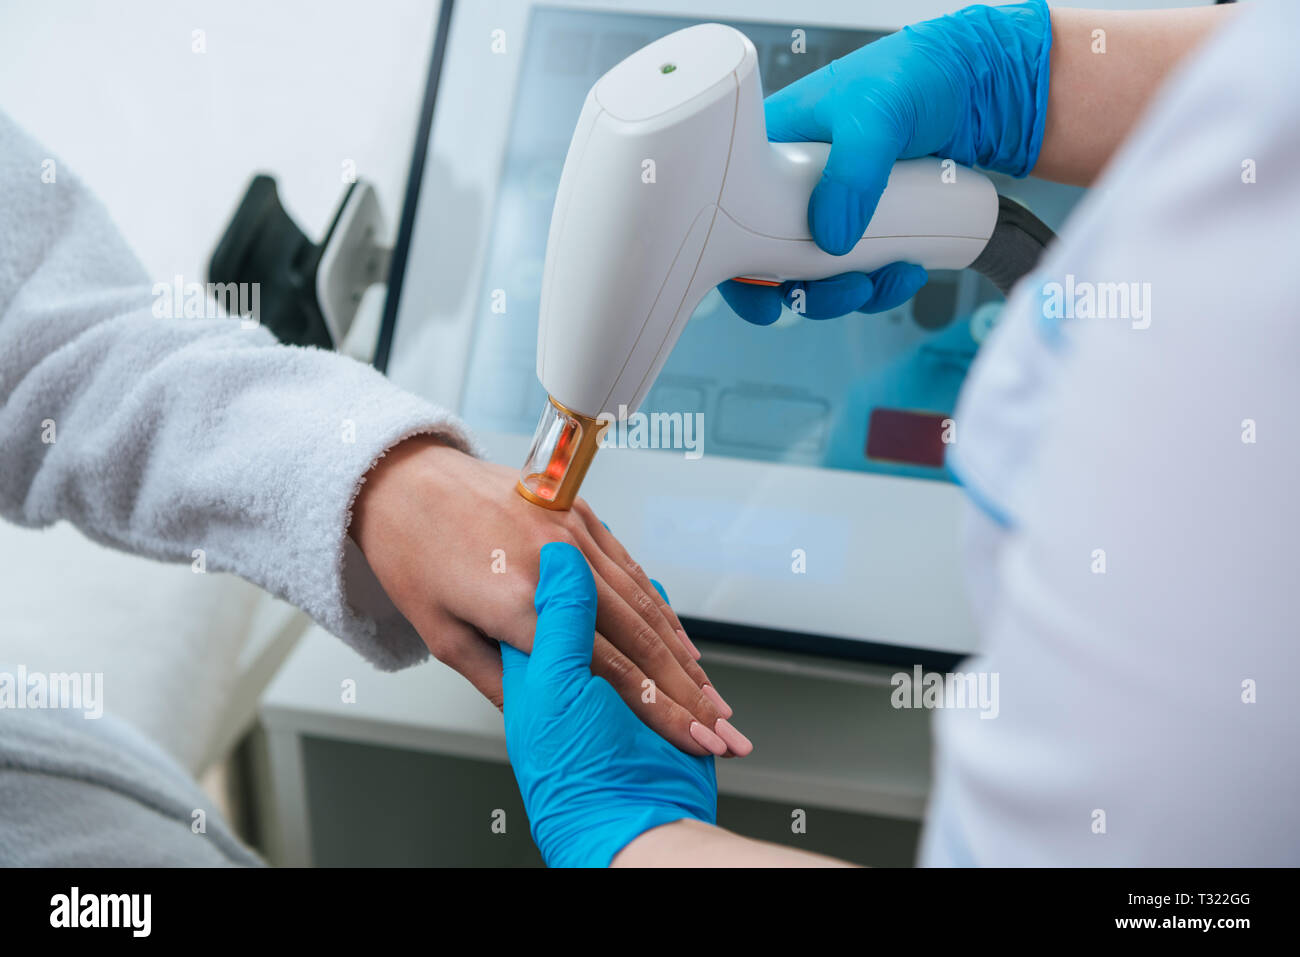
(933, 212)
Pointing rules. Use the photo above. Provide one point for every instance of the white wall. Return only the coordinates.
(168, 137)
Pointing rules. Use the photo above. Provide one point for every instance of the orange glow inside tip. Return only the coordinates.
(541, 486)
(549, 475)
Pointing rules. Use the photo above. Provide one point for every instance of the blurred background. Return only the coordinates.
(166, 109)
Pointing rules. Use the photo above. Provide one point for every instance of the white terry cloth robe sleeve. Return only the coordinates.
(167, 436)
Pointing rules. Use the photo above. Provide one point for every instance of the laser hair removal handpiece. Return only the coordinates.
(670, 187)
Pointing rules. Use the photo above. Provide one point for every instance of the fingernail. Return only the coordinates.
(708, 740)
(712, 694)
(739, 744)
(690, 645)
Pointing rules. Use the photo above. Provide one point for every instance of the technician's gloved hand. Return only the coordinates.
(971, 86)
(592, 776)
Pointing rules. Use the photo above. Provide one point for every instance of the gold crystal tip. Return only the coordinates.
(563, 447)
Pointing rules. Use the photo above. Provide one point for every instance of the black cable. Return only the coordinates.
(1018, 240)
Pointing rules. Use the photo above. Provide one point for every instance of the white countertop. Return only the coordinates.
(824, 732)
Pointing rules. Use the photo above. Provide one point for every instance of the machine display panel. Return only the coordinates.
(804, 503)
(864, 393)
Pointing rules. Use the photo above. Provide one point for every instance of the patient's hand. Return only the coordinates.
(456, 549)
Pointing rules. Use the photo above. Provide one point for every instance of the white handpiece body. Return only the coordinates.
(671, 187)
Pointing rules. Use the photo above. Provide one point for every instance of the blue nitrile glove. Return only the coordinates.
(971, 86)
(592, 776)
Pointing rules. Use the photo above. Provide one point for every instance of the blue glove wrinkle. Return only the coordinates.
(757, 305)
(976, 81)
(894, 285)
(971, 86)
(832, 297)
(998, 62)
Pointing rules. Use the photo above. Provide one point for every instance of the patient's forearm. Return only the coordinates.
(184, 439)
(690, 843)
(1096, 97)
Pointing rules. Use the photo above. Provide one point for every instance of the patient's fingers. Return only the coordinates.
(631, 621)
(647, 602)
(612, 547)
(462, 646)
(651, 704)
